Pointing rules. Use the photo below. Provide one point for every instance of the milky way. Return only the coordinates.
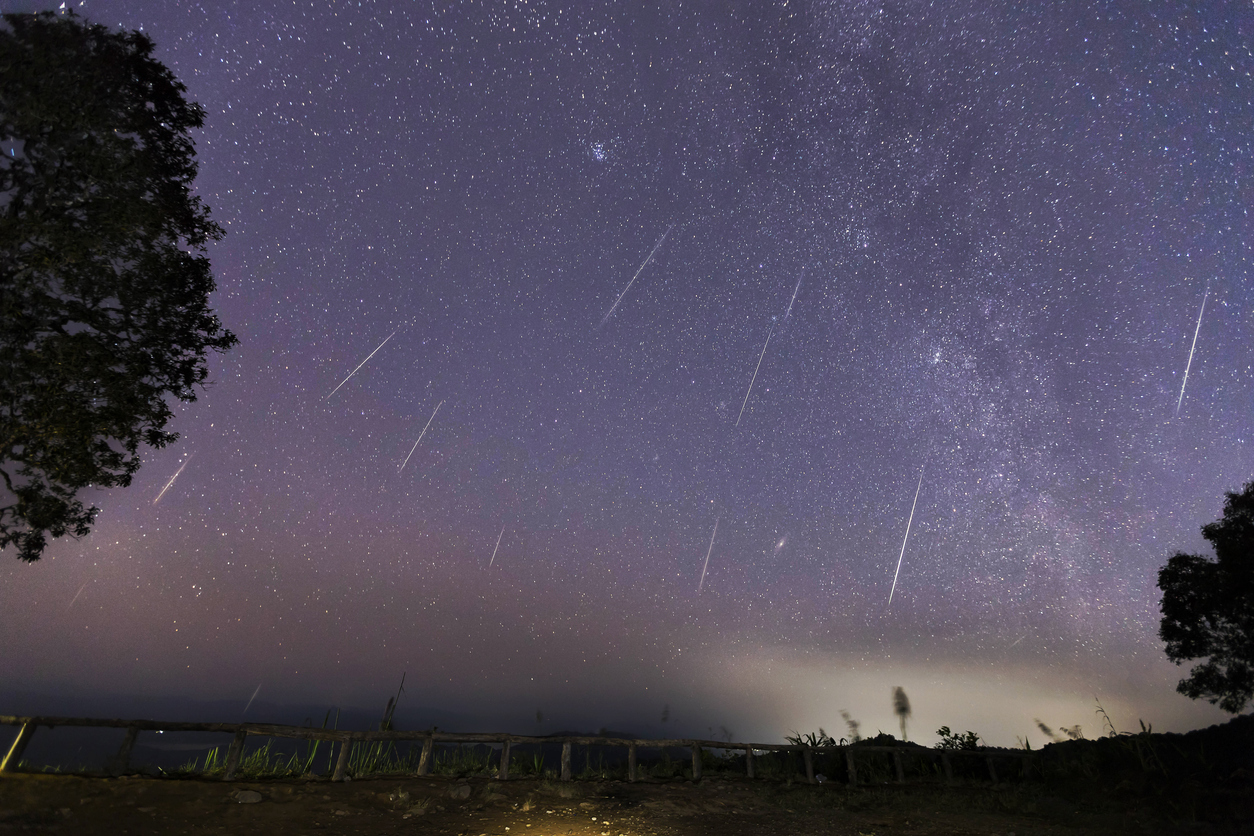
(1004, 218)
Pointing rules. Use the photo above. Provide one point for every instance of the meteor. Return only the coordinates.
(76, 594)
(253, 697)
(905, 539)
(707, 557)
(794, 293)
(171, 482)
(1189, 364)
(755, 375)
(643, 264)
(362, 363)
(498, 545)
(420, 435)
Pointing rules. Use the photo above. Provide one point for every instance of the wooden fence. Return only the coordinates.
(240, 731)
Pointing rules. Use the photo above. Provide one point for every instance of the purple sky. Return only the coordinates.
(961, 240)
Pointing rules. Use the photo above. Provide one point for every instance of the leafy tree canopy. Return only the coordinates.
(1208, 609)
(104, 282)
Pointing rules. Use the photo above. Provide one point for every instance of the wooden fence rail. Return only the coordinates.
(240, 731)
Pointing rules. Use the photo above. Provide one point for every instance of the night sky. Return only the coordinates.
(641, 270)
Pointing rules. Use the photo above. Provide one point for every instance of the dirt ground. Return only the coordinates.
(85, 806)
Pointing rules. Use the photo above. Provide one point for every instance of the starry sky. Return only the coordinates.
(675, 316)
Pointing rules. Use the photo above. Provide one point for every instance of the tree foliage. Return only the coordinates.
(104, 282)
(1208, 609)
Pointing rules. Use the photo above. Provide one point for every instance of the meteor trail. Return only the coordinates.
(643, 264)
(498, 545)
(794, 293)
(76, 594)
(904, 539)
(420, 435)
(755, 375)
(253, 697)
(707, 557)
(1189, 365)
(362, 363)
(171, 482)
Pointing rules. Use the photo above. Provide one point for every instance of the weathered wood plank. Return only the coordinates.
(424, 760)
(807, 755)
(631, 762)
(341, 763)
(696, 762)
(233, 755)
(749, 761)
(503, 773)
(566, 761)
(122, 760)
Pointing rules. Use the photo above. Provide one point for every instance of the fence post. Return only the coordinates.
(341, 763)
(503, 773)
(122, 760)
(749, 761)
(949, 768)
(424, 760)
(851, 766)
(233, 755)
(992, 771)
(901, 773)
(631, 762)
(696, 762)
(14, 757)
(566, 761)
(807, 755)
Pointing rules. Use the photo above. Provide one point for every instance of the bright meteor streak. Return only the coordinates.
(643, 264)
(1189, 364)
(420, 435)
(788, 312)
(362, 363)
(498, 545)
(707, 557)
(905, 539)
(755, 375)
(172, 478)
(253, 697)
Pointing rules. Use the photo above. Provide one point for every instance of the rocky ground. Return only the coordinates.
(86, 806)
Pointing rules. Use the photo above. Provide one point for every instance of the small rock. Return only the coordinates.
(247, 797)
(461, 791)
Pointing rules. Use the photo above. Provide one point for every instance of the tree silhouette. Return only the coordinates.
(1208, 609)
(104, 283)
(901, 707)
